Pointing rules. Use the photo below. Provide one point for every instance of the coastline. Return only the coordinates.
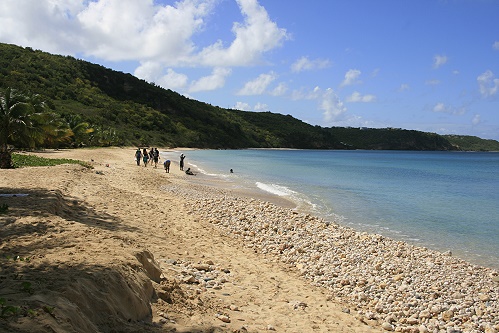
(393, 205)
(228, 259)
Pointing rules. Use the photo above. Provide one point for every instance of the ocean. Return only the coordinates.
(446, 201)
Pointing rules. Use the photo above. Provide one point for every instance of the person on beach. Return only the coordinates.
(155, 155)
(189, 172)
(145, 157)
(138, 156)
(182, 157)
(151, 155)
(166, 164)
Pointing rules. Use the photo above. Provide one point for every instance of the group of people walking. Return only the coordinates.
(147, 157)
(153, 157)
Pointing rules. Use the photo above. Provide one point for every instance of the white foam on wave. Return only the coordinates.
(204, 172)
(279, 190)
(301, 201)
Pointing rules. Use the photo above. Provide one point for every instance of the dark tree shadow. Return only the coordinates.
(43, 203)
(37, 286)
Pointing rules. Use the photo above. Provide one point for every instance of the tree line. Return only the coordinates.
(53, 101)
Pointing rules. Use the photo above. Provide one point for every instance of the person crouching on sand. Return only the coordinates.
(166, 164)
(189, 172)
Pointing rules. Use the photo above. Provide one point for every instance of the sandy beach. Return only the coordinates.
(122, 248)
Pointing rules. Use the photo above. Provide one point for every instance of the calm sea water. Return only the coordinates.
(440, 200)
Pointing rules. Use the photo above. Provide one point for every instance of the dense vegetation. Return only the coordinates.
(102, 107)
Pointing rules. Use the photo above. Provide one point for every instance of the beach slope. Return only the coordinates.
(122, 248)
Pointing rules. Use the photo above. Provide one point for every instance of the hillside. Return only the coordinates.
(134, 112)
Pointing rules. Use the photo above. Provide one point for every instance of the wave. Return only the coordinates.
(279, 190)
(204, 172)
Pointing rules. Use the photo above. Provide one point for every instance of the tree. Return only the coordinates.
(80, 129)
(21, 120)
(55, 130)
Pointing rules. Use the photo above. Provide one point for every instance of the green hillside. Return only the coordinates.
(124, 110)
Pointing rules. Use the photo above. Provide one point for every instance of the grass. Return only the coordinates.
(22, 160)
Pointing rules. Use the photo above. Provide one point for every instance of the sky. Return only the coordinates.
(428, 65)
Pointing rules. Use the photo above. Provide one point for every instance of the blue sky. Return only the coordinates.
(427, 65)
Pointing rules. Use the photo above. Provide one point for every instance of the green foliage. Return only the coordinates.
(49, 309)
(390, 139)
(18, 258)
(27, 287)
(23, 160)
(7, 310)
(472, 143)
(101, 107)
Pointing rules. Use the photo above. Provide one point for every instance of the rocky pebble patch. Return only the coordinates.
(389, 283)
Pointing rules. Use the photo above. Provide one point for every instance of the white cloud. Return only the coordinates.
(242, 106)
(258, 85)
(138, 30)
(488, 84)
(305, 64)
(128, 29)
(476, 119)
(495, 46)
(442, 108)
(280, 90)
(214, 81)
(301, 94)
(21, 22)
(149, 71)
(329, 102)
(246, 107)
(356, 97)
(404, 87)
(173, 80)
(439, 60)
(108, 29)
(439, 107)
(153, 72)
(261, 107)
(351, 77)
(432, 82)
(332, 106)
(258, 34)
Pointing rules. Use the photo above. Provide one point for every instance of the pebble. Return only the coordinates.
(223, 318)
(424, 290)
(387, 326)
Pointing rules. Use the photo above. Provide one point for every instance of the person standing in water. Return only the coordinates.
(182, 157)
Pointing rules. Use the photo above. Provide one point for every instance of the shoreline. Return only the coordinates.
(388, 281)
(238, 251)
(245, 189)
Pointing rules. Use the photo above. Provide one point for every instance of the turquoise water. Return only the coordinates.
(441, 200)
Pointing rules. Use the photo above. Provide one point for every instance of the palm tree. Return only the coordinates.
(55, 130)
(21, 116)
(81, 130)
